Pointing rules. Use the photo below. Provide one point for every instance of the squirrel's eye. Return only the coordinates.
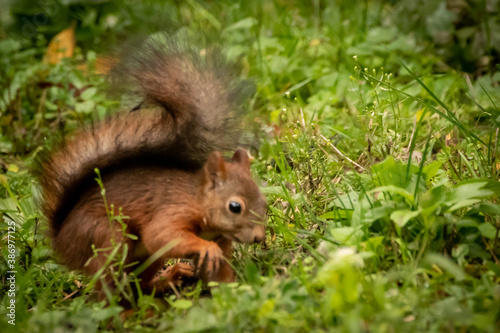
(234, 207)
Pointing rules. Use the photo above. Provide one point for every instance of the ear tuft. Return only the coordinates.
(215, 168)
(241, 157)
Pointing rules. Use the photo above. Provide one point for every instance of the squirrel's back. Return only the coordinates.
(191, 105)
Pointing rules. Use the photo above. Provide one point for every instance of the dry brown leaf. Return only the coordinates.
(61, 46)
(102, 65)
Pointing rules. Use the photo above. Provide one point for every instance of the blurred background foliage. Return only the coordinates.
(304, 45)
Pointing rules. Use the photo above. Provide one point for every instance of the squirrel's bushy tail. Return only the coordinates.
(191, 106)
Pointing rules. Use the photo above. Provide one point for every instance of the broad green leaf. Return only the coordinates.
(401, 217)
(490, 208)
(446, 264)
(459, 252)
(366, 49)
(106, 313)
(273, 190)
(336, 214)
(396, 190)
(345, 201)
(433, 197)
(245, 23)
(13, 168)
(493, 267)
(381, 34)
(9, 46)
(463, 203)
(375, 246)
(374, 214)
(88, 93)
(389, 172)
(466, 223)
(487, 230)
(274, 116)
(278, 64)
(430, 170)
(182, 304)
(85, 107)
(404, 44)
(467, 191)
(347, 235)
(28, 206)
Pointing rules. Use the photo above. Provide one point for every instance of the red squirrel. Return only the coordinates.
(162, 164)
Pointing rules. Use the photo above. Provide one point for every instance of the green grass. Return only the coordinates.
(377, 155)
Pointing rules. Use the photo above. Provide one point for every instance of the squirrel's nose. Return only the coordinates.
(259, 233)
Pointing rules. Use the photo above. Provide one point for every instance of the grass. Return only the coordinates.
(378, 159)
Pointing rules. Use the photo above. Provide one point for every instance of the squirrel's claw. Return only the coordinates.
(175, 273)
(209, 259)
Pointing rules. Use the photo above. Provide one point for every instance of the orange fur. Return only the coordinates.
(161, 165)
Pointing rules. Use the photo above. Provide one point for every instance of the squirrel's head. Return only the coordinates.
(235, 207)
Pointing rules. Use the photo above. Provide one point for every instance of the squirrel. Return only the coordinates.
(162, 164)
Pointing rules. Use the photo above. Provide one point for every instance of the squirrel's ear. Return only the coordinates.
(215, 168)
(241, 157)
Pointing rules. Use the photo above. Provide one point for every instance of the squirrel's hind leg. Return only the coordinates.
(86, 228)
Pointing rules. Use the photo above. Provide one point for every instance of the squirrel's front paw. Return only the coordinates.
(209, 259)
(172, 276)
(175, 273)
